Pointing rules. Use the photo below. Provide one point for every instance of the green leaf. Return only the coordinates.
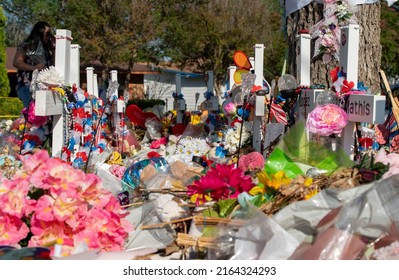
(225, 207)
(210, 231)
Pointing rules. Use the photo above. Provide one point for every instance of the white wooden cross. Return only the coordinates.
(179, 105)
(49, 103)
(212, 105)
(74, 73)
(259, 100)
(307, 99)
(364, 108)
(231, 70)
(120, 104)
(303, 59)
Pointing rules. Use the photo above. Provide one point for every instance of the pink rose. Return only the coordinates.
(326, 120)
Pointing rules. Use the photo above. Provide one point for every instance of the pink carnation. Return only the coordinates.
(326, 120)
(251, 162)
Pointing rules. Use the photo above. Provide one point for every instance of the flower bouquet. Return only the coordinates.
(48, 202)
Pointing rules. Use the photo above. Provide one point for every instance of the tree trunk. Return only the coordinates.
(368, 18)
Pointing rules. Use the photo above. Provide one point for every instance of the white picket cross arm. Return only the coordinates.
(49, 103)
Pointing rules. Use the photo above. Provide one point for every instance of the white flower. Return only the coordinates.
(192, 146)
(232, 136)
(50, 76)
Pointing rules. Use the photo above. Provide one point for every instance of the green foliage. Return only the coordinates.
(10, 107)
(390, 40)
(225, 207)
(370, 170)
(4, 82)
(207, 33)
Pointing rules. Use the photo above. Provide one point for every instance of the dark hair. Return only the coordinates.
(37, 33)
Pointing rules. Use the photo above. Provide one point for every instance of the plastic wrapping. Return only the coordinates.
(131, 178)
(368, 220)
(294, 148)
(259, 237)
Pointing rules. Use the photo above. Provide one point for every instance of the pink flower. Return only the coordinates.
(326, 120)
(44, 208)
(12, 229)
(391, 158)
(59, 202)
(251, 162)
(230, 109)
(35, 161)
(13, 200)
(157, 143)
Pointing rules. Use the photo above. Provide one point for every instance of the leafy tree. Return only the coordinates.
(4, 82)
(23, 14)
(390, 39)
(111, 32)
(205, 34)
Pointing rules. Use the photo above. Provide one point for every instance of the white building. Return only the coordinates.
(163, 85)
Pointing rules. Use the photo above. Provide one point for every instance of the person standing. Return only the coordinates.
(36, 52)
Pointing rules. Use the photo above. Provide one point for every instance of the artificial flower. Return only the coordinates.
(230, 109)
(274, 181)
(195, 119)
(233, 136)
(251, 162)
(156, 144)
(220, 182)
(59, 202)
(327, 120)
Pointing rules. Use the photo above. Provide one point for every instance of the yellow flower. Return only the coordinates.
(275, 181)
(195, 119)
(308, 181)
(60, 90)
(259, 189)
(199, 198)
(310, 194)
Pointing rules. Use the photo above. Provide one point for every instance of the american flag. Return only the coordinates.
(277, 113)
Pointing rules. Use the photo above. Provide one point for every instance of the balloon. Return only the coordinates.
(178, 129)
(136, 115)
(238, 76)
(150, 115)
(241, 60)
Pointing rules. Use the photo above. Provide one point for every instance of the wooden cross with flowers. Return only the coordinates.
(361, 107)
(179, 104)
(49, 103)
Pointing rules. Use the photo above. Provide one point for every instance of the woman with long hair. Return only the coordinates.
(36, 52)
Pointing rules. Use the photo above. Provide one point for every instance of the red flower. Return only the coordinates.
(220, 182)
